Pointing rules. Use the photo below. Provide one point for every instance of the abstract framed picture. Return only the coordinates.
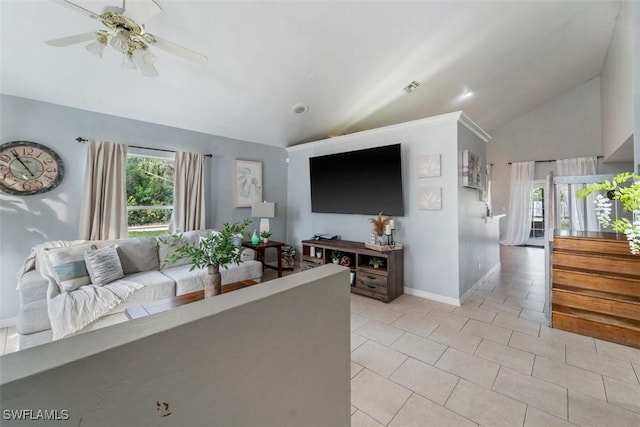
(471, 170)
(429, 166)
(247, 183)
(430, 198)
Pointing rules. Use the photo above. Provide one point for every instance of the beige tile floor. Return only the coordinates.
(491, 362)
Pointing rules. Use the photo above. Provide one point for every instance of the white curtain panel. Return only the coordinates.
(103, 214)
(188, 193)
(581, 219)
(520, 204)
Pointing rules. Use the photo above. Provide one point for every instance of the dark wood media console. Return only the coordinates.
(385, 283)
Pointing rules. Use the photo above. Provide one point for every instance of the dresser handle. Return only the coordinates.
(371, 286)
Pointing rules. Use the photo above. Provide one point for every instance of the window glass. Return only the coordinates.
(149, 194)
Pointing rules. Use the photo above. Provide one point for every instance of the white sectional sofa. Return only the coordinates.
(143, 260)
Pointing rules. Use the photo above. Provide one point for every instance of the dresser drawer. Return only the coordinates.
(371, 282)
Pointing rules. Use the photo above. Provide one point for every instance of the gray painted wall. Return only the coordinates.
(568, 126)
(478, 245)
(617, 84)
(27, 221)
(636, 85)
(430, 237)
(276, 354)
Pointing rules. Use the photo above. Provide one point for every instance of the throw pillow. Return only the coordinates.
(103, 265)
(68, 267)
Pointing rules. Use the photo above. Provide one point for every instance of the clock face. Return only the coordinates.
(29, 168)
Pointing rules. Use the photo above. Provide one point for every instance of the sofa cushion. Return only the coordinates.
(32, 287)
(136, 255)
(68, 267)
(40, 261)
(191, 281)
(156, 286)
(103, 265)
(33, 317)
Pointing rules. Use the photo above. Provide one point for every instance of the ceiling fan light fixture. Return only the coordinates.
(120, 41)
(96, 48)
(127, 62)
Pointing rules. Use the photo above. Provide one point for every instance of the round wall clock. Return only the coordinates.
(29, 168)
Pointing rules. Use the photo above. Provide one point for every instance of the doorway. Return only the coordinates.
(538, 214)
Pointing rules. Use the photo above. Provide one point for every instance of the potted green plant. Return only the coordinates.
(210, 252)
(336, 256)
(265, 236)
(629, 196)
(239, 231)
(376, 262)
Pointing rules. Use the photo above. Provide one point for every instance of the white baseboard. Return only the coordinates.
(448, 300)
(479, 282)
(433, 297)
(8, 323)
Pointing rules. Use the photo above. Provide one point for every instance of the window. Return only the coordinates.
(149, 194)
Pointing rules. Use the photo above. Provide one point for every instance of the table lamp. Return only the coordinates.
(264, 211)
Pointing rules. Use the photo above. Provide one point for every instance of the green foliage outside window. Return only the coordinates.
(149, 183)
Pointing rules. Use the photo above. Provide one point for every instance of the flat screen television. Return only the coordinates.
(358, 182)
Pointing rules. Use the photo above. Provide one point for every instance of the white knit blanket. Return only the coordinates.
(71, 311)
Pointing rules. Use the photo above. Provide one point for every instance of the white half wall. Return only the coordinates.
(276, 354)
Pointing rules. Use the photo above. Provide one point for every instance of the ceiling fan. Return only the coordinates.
(125, 33)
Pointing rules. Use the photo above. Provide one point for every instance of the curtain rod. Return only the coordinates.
(83, 140)
(549, 161)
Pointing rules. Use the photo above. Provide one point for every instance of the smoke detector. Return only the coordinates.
(299, 108)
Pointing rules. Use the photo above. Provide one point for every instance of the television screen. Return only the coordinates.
(358, 182)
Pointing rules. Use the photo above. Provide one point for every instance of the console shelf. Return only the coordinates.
(385, 283)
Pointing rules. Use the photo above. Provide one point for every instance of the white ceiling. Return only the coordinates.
(348, 60)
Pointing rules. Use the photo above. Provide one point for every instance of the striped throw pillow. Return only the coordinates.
(68, 266)
(103, 265)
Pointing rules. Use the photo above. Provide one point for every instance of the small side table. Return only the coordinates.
(260, 247)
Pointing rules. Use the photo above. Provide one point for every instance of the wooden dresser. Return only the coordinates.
(596, 287)
(385, 283)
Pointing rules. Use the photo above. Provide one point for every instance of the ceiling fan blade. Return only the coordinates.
(141, 11)
(67, 41)
(180, 51)
(77, 8)
(142, 61)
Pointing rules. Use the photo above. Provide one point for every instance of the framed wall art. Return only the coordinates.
(247, 183)
(429, 166)
(471, 170)
(430, 198)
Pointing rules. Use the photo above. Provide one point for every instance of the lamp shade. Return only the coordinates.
(263, 210)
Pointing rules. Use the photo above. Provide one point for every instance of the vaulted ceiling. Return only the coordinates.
(347, 60)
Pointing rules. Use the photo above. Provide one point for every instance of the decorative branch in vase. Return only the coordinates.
(629, 196)
(210, 252)
(379, 224)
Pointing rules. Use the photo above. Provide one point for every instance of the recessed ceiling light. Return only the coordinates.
(411, 86)
(467, 93)
(299, 108)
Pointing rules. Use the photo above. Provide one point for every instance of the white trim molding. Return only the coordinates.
(432, 296)
(448, 300)
(8, 323)
(479, 282)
